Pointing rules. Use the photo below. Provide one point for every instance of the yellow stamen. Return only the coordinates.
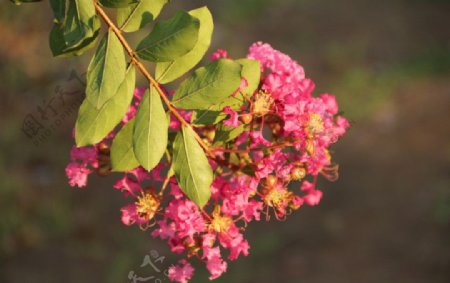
(276, 197)
(263, 102)
(220, 223)
(147, 205)
(315, 125)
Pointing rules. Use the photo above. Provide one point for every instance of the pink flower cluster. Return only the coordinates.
(256, 176)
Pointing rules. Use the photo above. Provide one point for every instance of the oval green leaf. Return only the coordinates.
(75, 28)
(106, 70)
(59, 47)
(191, 166)
(136, 16)
(94, 124)
(122, 154)
(208, 85)
(170, 39)
(150, 130)
(169, 71)
(80, 22)
(225, 134)
(59, 9)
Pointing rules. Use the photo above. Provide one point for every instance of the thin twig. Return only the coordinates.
(147, 75)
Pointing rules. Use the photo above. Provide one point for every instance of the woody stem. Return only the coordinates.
(147, 75)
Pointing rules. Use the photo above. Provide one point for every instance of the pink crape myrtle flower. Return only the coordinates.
(77, 174)
(218, 54)
(269, 169)
(182, 272)
(232, 120)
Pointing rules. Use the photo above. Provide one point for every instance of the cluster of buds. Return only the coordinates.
(270, 166)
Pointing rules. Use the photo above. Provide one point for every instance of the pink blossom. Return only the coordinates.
(164, 230)
(286, 140)
(77, 174)
(313, 197)
(232, 120)
(234, 242)
(330, 103)
(214, 263)
(307, 186)
(285, 74)
(258, 139)
(218, 54)
(140, 174)
(128, 185)
(129, 214)
(182, 272)
(253, 211)
(83, 154)
(186, 216)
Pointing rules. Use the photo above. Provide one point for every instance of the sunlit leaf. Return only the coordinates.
(169, 71)
(191, 166)
(122, 154)
(94, 124)
(170, 39)
(151, 130)
(209, 85)
(136, 16)
(106, 70)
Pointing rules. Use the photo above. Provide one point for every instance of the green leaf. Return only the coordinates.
(213, 115)
(94, 124)
(136, 16)
(59, 47)
(80, 22)
(118, 3)
(59, 9)
(122, 154)
(169, 71)
(170, 39)
(106, 70)
(207, 117)
(251, 71)
(75, 29)
(191, 166)
(208, 85)
(151, 130)
(225, 134)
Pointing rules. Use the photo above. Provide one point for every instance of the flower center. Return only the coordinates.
(263, 102)
(315, 124)
(220, 223)
(147, 205)
(276, 197)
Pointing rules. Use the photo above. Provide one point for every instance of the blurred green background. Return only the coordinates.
(386, 219)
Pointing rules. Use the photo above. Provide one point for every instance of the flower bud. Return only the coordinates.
(271, 181)
(276, 129)
(246, 118)
(103, 147)
(298, 173)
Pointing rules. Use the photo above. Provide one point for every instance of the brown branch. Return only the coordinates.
(147, 75)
